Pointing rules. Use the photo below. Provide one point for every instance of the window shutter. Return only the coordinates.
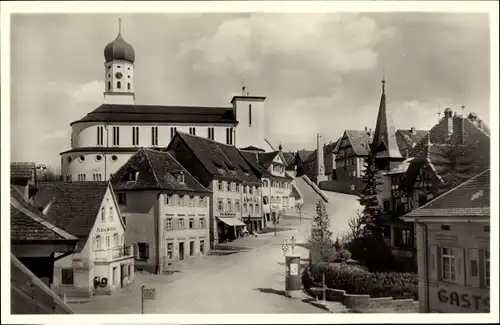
(482, 283)
(460, 266)
(472, 271)
(433, 263)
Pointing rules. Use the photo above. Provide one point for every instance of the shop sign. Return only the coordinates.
(464, 300)
(105, 229)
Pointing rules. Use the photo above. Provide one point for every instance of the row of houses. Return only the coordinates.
(160, 208)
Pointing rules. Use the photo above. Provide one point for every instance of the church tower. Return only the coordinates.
(119, 59)
(385, 146)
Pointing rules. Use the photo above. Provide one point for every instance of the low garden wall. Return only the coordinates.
(366, 303)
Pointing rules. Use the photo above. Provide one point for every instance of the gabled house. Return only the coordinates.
(34, 240)
(223, 170)
(453, 238)
(101, 263)
(165, 208)
(23, 177)
(351, 151)
(453, 151)
(276, 184)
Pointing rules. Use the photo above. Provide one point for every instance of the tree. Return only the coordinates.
(457, 163)
(369, 219)
(48, 175)
(321, 243)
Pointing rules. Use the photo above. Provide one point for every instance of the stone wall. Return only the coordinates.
(365, 303)
(341, 186)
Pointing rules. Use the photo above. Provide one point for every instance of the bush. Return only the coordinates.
(355, 280)
(340, 256)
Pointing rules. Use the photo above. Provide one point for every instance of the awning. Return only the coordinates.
(231, 221)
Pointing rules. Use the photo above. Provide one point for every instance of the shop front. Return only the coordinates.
(229, 227)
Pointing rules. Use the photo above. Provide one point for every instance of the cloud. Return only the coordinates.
(58, 134)
(307, 42)
(89, 92)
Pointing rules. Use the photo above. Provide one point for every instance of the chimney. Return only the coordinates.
(448, 118)
(366, 129)
(413, 131)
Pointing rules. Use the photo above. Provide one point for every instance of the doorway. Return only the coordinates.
(181, 251)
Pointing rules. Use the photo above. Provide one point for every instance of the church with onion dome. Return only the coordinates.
(105, 138)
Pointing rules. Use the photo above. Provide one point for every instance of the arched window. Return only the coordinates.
(118, 84)
(128, 85)
(109, 85)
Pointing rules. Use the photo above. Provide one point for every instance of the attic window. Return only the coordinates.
(132, 176)
(180, 177)
(217, 164)
(229, 166)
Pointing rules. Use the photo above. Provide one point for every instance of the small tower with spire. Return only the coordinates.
(119, 57)
(384, 145)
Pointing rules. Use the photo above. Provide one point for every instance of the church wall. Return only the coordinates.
(250, 134)
(85, 134)
(90, 165)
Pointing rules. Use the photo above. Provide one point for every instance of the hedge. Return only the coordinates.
(356, 280)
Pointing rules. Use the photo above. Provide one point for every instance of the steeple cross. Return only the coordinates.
(383, 84)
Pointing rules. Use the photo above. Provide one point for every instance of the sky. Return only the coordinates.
(319, 72)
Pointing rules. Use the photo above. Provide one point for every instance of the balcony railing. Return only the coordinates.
(112, 253)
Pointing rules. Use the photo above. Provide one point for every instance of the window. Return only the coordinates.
(143, 249)
(257, 209)
(154, 136)
(100, 135)
(173, 130)
(97, 242)
(202, 247)
(108, 242)
(116, 135)
(250, 190)
(245, 207)
(180, 223)
(448, 264)
(250, 206)
(191, 248)
(250, 114)
(487, 269)
(202, 223)
(445, 227)
(115, 240)
(135, 135)
(265, 183)
(211, 133)
(220, 186)
(103, 215)
(237, 206)
(244, 189)
(97, 177)
(170, 250)
(111, 216)
(220, 205)
(191, 223)
(109, 85)
(118, 84)
(67, 277)
(237, 187)
(192, 131)
(228, 186)
(406, 237)
(167, 200)
(68, 178)
(132, 176)
(180, 177)
(169, 223)
(128, 85)
(229, 205)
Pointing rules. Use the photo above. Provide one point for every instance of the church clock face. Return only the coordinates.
(118, 75)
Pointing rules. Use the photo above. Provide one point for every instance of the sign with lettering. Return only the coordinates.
(294, 269)
(105, 229)
(149, 293)
(474, 302)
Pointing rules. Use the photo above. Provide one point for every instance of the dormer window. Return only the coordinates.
(180, 177)
(132, 176)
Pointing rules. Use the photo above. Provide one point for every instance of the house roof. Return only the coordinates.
(221, 160)
(303, 154)
(160, 114)
(74, 206)
(439, 134)
(260, 164)
(157, 170)
(289, 157)
(265, 159)
(22, 169)
(312, 157)
(469, 199)
(360, 141)
(407, 139)
(402, 167)
(252, 148)
(27, 223)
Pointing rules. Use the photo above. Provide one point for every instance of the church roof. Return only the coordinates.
(160, 114)
(157, 170)
(384, 140)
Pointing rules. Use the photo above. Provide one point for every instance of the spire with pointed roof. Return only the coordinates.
(384, 144)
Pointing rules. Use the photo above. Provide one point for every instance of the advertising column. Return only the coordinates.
(292, 277)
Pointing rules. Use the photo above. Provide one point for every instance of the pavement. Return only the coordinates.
(252, 281)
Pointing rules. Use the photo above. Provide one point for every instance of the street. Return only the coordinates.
(246, 282)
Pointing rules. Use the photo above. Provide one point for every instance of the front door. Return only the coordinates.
(181, 251)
